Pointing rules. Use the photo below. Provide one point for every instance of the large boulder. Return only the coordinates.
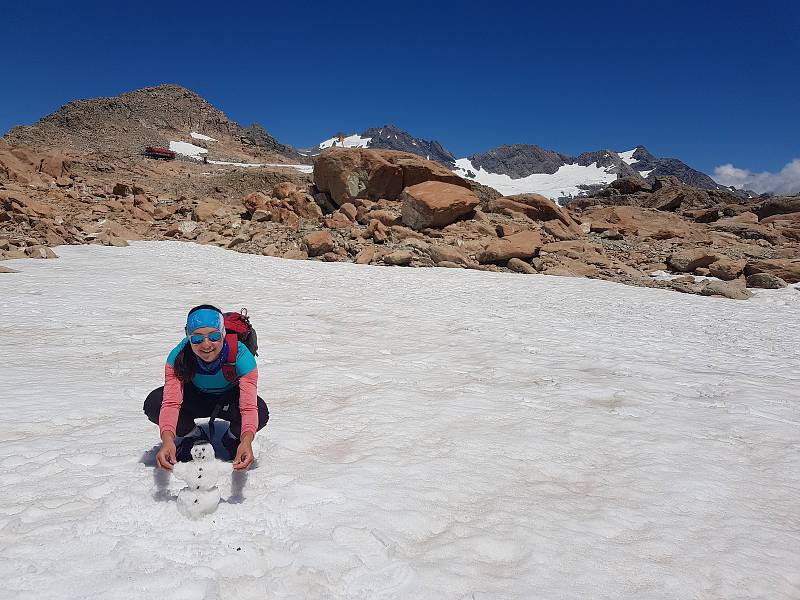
(778, 206)
(436, 204)
(686, 261)
(727, 269)
(727, 289)
(786, 269)
(349, 173)
(536, 207)
(524, 244)
(765, 281)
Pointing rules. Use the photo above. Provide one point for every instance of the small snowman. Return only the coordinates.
(201, 497)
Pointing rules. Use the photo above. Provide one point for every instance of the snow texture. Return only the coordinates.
(434, 434)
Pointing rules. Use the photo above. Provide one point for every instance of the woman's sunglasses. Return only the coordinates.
(197, 338)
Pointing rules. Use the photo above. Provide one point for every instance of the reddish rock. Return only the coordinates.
(366, 256)
(295, 254)
(519, 245)
(318, 242)
(686, 261)
(254, 201)
(282, 190)
(337, 220)
(398, 258)
(786, 269)
(450, 254)
(378, 231)
(386, 217)
(349, 210)
(538, 208)
(435, 204)
(726, 269)
(348, 173)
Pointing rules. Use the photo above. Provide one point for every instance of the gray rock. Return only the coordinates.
(765, 281)
(520, 266)
(727, 289)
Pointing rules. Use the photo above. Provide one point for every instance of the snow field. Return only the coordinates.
(434, 433)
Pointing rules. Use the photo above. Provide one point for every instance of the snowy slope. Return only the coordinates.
(196, 152)
(564, 182)
(350, 141)
(435, 433)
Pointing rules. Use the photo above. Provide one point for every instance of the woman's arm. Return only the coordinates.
(171, 403)
(248, 387)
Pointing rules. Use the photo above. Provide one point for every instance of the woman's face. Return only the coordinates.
(207, 350)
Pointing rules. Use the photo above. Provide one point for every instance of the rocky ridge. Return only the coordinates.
(122, 126)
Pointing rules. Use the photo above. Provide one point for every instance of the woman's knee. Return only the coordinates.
(263, 412)
(152, 404)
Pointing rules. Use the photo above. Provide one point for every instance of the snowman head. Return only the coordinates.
(203, 450)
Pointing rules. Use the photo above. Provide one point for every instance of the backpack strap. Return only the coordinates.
(229, 366)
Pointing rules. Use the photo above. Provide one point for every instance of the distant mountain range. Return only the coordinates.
(523, 168)
(172, 115)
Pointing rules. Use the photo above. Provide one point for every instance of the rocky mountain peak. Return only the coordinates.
(125, 124)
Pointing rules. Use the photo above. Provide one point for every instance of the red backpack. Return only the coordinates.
(237, 329)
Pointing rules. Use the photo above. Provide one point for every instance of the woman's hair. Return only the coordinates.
(186, 361)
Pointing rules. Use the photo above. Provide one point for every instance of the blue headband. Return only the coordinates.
(205, 317)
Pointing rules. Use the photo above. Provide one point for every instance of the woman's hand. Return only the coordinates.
(166, 455)
(244, 453)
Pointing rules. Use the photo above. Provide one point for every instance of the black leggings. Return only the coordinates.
(197, 404)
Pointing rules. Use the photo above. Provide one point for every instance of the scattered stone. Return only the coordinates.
(727, 289)
(688, 260)
(366, 256)
(520, 245)
(726, 269)
(786, 269)
(449, 254)
(765, 281)
(318, 242)
(296, 254)
(520, 266)
(398, 258)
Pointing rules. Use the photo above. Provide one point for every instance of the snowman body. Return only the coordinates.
(201, 496)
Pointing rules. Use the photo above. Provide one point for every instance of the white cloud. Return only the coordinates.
(783, 183)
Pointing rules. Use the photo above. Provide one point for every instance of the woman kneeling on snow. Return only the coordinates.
(196, 386)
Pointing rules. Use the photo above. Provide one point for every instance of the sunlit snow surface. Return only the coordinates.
(627, 156)
(435, 433)
(187, 149)
(563, 182)
(200, 136)
(351, 141)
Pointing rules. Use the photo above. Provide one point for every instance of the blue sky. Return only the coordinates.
(710, 83)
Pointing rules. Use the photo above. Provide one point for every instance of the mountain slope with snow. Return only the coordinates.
(525, 168)
(434, 433)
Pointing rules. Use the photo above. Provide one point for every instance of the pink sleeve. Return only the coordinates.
(248, 406)
(171, 404)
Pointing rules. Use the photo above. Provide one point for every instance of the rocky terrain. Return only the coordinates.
(381, 207)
